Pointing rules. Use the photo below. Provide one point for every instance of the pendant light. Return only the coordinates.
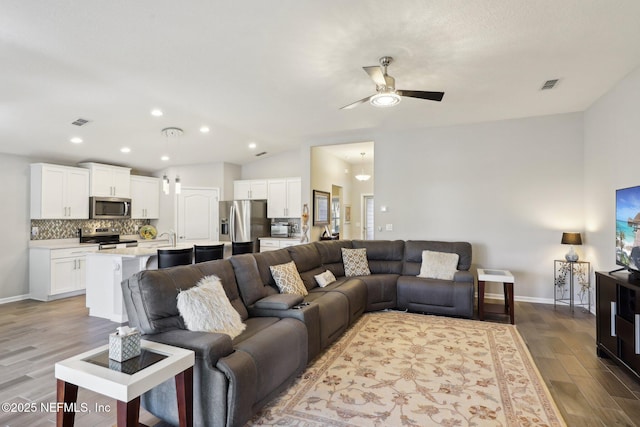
(171, 132)
(363, 176)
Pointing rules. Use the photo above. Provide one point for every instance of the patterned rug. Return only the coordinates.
(401, 369)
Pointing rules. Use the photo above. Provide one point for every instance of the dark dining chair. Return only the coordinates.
(241, 248)
(208, 252)
(172, 257)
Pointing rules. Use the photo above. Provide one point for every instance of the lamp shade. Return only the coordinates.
(571, 239)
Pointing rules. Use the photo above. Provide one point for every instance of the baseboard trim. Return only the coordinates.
(533, 300)
(13, 299)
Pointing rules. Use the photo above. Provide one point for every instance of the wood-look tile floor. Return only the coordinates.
(33, 335)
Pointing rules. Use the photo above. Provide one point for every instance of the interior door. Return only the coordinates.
(197, 215)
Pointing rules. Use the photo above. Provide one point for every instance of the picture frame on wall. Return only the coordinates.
(347, 214)
(321, 207)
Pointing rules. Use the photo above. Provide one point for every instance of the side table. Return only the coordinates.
(502, 276)
(580, 270)
(126, 381)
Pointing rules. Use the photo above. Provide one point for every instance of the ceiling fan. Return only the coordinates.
(387, 95)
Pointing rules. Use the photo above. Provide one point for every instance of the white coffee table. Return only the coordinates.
(501, 276)
(91, 370)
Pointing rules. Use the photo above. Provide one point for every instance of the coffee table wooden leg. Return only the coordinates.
(512, 307)
(481, 299)
(184, 391)
(128, 413)
(67, 394)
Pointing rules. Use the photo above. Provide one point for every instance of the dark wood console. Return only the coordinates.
(618, 319)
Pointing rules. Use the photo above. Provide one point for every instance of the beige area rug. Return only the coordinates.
(401, 369)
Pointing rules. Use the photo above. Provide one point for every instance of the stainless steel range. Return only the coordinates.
(106, 237)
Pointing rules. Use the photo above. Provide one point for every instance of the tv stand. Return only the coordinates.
(618, 320)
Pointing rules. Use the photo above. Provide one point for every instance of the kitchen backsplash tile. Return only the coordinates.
(68, 228)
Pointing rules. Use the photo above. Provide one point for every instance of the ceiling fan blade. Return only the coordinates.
(355, 104)
(432, 96)
(376, 75)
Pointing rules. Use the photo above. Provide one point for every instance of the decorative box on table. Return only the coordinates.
(124, 346)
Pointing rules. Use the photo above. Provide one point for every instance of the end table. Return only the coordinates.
(580, 270)
(502, 276)
(126, 381)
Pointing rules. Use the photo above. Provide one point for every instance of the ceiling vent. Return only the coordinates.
(261, 154)
(80, 122)
(549, 84)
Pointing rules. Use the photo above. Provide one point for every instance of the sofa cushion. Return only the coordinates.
(413, 254)
(306, 257)
(438, 265)
(331, 254)
(288, 279)
(325, 278)
(355, 262)
(206, 308)
(385, 256)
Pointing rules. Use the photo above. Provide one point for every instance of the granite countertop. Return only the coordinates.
(281, 238)
(150, 251)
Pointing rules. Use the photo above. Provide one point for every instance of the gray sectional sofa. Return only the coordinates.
(235, 378)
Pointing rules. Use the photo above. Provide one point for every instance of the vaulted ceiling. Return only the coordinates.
(276, 73)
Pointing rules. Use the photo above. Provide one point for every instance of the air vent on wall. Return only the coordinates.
(549, 84)
(261, 154)
(80, 122)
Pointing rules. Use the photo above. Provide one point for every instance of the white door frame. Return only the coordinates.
(363, 215)
(215, 221)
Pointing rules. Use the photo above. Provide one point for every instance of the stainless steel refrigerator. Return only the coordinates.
(244, 221)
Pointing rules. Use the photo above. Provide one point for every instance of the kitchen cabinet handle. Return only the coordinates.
(637, 333)
(613, 318)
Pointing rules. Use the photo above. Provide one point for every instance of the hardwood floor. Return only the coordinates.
(588, 391)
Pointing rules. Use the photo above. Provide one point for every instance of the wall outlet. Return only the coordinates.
(136, 228)
(34, 231)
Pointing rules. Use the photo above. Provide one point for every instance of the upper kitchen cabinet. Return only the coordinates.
(285, 198)
(253, 189)
(145, 197)
(109, 181)
(59, 192)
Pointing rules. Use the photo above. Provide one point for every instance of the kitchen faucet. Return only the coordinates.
(172, 237)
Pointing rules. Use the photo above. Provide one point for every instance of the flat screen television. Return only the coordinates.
(627, 227)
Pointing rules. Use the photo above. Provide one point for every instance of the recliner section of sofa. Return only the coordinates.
(282, 335)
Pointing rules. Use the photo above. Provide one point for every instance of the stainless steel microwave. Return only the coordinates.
(109, 208)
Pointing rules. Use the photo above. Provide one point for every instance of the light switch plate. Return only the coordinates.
(389, 227)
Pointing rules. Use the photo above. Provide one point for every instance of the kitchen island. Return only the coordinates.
(106, 269)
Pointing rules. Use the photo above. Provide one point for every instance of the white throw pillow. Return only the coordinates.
(355, 262)
(438, 265)
(325, 278)
(288, 279)
(206, 308)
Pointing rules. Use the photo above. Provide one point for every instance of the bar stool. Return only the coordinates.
(173, 257)
(241, 248)
(208, 252)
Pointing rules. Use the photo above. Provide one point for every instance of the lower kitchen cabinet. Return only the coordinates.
(618, 320)
(267, 244)
(57, 273)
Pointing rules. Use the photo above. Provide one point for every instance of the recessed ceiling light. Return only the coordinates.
(164, 158)
(125, 150)
(76, 140)
(205, 129)
(253, 145)
(156, 112)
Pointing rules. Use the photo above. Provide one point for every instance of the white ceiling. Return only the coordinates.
(276, 73)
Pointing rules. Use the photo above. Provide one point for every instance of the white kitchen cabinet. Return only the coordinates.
(145, 197)
(56, 273)
(253, 189)
(285, 198)
(267, 244)
(59, 192)
(108, 180)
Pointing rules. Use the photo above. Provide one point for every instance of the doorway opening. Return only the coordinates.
(368, 230)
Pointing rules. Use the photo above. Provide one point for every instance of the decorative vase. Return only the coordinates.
(305, 227)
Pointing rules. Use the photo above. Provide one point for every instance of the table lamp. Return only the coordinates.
(571, 239)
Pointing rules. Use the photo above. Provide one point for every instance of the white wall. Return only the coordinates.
(282, 165)
(612, 138)
(14, 212)
(509, 187)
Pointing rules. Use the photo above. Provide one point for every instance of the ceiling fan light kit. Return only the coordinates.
(387, 95)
